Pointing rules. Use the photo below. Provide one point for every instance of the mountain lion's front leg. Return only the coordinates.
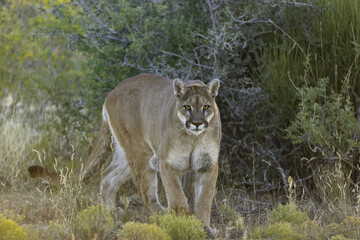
(171, 179)
(205, 180)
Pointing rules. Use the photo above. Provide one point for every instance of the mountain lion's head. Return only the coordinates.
(196, 103)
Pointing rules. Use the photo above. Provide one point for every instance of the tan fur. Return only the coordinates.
(153, 131)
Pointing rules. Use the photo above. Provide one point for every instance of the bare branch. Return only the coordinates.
(297, 4)
(87, 9)
(211, 14)
(110, 37)
(188, 60)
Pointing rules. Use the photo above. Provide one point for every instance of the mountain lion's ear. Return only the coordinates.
(179, 87)
(213, 87)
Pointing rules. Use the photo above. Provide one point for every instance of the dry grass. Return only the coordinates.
(50, 212)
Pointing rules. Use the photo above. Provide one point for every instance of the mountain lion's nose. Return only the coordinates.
(197, 124)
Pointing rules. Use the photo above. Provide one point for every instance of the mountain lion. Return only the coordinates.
(154, 124)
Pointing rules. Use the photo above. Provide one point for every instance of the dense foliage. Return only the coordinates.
(289, 100)
(93, 221)
(10, 230)
(180, 226)
(136, 230)
(268, 54)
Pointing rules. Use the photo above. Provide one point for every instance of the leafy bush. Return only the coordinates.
(339, 237)
(38, 70)
(234, 221)
(349, 228)
(95, 220)
(10, 230)
(10, 214)
(326, 121)
(286, 222)
(142, 231)
(180, 227)
(29, 59)
(322, 41)
(57, 231)
(284, 231)
(288, 213)
(327, 124)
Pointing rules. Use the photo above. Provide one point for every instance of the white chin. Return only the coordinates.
(196, 132)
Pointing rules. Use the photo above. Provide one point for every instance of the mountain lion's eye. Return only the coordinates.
(187, 107)
(206, 107)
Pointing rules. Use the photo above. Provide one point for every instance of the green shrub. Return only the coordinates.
(143, 231)
(181, 226)
(348, 228)
(326, 121)
(327, 124)
(235, 226)
(289, 223)
(10, 214)
(95, 220)
(10, 230)
(312, 230)
(339, 237)
(284, 231)
(287, 231)
(288, 213)
(258, 233)
(56, 231)
(321, 41)
(32, 231)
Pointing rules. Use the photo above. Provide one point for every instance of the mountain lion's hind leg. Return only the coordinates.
(145, 177)
(116, 174)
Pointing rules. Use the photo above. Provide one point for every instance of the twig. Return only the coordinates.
(188, 60)
(110, 37)
(297, 4)
(292, 39)
(87, 9)
(293, 83)
(211, 14)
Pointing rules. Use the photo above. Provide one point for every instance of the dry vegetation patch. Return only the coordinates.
(31, 209)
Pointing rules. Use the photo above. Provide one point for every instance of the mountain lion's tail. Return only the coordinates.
(97, 158)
